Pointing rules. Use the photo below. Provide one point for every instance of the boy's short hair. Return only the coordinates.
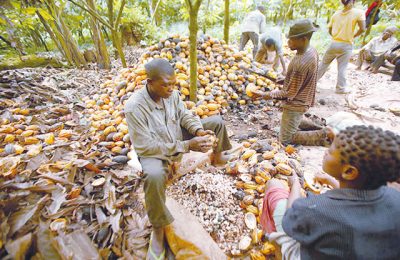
(270, 42)
(374, 152)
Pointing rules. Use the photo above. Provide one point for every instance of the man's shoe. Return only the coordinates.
(343, 91)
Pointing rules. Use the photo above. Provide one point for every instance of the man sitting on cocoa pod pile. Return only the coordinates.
(161, 130)
(299, 88)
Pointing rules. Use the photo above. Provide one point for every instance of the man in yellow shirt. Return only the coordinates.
(342, 27)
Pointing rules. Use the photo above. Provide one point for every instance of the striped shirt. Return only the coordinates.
(300, 82)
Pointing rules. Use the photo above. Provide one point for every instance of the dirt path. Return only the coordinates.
(373, 94)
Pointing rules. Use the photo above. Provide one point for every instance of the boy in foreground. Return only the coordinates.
(299, 88)
(358, 218)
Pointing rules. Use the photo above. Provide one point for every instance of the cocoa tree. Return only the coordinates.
(53, 21)
(226, 22)
(193, 7)
(103, 58)
(112, 24)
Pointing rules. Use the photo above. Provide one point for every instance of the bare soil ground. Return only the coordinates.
(371, 98)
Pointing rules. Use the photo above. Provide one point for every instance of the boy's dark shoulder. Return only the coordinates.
(335, 197)
(393, 194)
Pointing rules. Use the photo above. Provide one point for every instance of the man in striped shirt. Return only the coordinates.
(299, 88)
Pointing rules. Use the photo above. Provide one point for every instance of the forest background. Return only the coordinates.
(66, 28)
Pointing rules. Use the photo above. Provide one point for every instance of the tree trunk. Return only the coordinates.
(114, 31)
(72, 44)
(155, 4)
(61, 35)
(371, 23)
(103, 58)
(193, 8)
(48, 29)
(226, 22)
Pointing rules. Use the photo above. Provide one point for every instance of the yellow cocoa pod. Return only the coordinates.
(24, 112)
(250, 186)
(251, 78)
(185, 91)
(212, 107)
(9, 138)
(267, 248)
(65, 133)
(49, 138)
(260, 180)
(246, 144)
(199, 111)
(27, 133)
(116, 149)
(33, 127)
(261, 188)
(123, 128)
(284, 169)
(31, 140)
(247, 154)
(252, 209)
(109, 129)
(268, 155)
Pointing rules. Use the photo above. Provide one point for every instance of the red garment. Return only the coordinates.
(272, 197)
(370, 8)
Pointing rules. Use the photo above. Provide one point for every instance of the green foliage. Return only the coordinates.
(134, 18)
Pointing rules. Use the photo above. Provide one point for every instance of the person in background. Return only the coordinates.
(253, 25)
(375, 50)
(299, 88)
(162, 130)
(271, 41)
(370, 13)
(357, 218)
(342, 27)
(393, 56)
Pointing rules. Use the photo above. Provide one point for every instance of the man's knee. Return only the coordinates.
(213, 123)
(153, 170)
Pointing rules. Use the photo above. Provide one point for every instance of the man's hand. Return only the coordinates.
(202, 132)
(201, 144)
(258, 94)
(281, 79)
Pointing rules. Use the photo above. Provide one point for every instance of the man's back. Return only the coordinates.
(301, 81)
(343, 24)
(254, 22)
(274, 33)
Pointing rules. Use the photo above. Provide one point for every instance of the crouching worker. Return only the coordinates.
(162, 129)
(299, 88)
(358, 218)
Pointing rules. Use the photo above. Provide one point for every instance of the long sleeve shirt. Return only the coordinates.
(254, 22)
(300, 82)
(156, 130)
(378, 46)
